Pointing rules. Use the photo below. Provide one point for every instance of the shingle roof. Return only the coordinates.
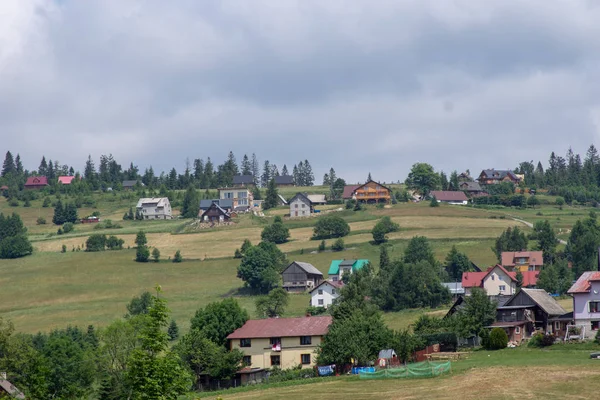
(334, 267)
(475, 279)
(159, 201)
(545, 301)
(301, 196)
(446, 195)
(535, 257)
(349, 191)
(283, 327)
(243, 180)
(224, 203)
(284, 180)
(308, 268)
(317, 198)
(11, 389)
(36, 180)
(337, 284)
(470, 186)
(499, 174)
(583, 283)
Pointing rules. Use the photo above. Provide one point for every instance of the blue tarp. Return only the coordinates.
(358, 370)
(326, 370)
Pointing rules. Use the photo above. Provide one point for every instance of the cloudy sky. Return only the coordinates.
(358, 85)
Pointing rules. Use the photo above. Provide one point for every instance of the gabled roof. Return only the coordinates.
(216, 206)
(470, 186)
(11, 389)
(223, 203)
(475, 279)
(65, 180)
(132, 183)
(498, 174)
(302, 197)
(284, 180)
(543, 300)
(157, 201)
(367, 182)
(335, 284)
(349, 191)
(283, 327)
(334, 267)
(243, 180)
(36, 181)
(583, 284)
(306, 267)
(535, 257)
(317, 198)
(446, 195)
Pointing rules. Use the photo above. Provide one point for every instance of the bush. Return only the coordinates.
(330, 226)
(560, 201)
(282, 375)
(64, 248)
(13, 202)
(498, 339)
(47, 203)
(15, 247)
(322, 245)
(95, 242)
(316, 310)
(448, 341)
(177, 257)
(597, 337)
(41, 221)
(382, 228)
(541, 340)
(276, 233)
(338, 245)
(350, 204)
(67, 227)
(142, 254)
(59, 231)
(156, 254)
(434, 202)
(114, 243)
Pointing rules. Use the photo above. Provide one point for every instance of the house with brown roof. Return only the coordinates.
(370, 192)
(497, 281)
(280, 342)
(215, 214)
(522, 260)
(450, 197)
(586, 303)
(494, 176)
(471, 188)
(36, 182)
(299, 276)
(531, 311)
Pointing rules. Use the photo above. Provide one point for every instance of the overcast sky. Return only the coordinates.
(358, 85)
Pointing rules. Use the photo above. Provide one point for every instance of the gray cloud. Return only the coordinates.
(368, 86)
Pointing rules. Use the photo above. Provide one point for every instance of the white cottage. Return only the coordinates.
(325, 293)
(154, 208)
(300, 206)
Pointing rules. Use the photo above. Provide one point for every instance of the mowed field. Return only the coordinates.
(51, 289)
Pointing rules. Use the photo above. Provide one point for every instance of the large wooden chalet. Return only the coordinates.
(370, 192)
(495, 176)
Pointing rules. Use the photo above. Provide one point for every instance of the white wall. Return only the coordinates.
(329, 294)
(493, 282)
(299, 207)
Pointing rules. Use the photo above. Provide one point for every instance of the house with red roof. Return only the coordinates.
(450, 197)
(280, 342)
(325, 293)
(586, 303)
(65, 180)
(522, 260)
(370, 192)
(497, 281)
(36, 182)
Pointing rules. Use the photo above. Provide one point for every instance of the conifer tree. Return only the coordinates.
(8, 167)
(271, 197)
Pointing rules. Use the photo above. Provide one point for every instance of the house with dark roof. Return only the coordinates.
(496, 281)
(130, 184)
(522, 260)
(280, 342)
(586, 303)
(284, 180)
(36, 182)
(215, 214)
(471, 188)
(154, 208)
(531, 311)
(338, 268)
(226, 204)
(243, 180)
(449, 197)
(300, 206)
(370, 192)
(300, 276)
(324, 294)
(495, 176)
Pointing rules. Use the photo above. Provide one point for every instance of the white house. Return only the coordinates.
(241, 197)
(154, 208)
(300, 206)
(496, 281)
(325, 293)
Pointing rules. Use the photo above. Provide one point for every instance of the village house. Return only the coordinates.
(65, 180)
(325, 293)
(371, 192)
(317, 199)
(495, 176)
(130, 184)
(531, 311)
(473, 189)
(215, 214)
(300, 206)
(455, 289)
(522, 260)
(225, 204)
(449, 197)
(36, 182)
(243, 180)
(300, 276)
(280, 342)
(154, 208)
(497, 281)
(338, 268)
(241, 197)
(284, 180)
(586, 303)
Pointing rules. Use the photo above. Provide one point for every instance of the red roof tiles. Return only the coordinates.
(475, 279)
(65, 180)
(534, 257)
(36, 181)
(583, 283)
(283, 327)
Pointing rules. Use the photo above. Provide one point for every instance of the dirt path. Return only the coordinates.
(529, 224)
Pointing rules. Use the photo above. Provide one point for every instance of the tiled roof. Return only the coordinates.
(535, 257)
(349, 191)
(499, 174)
(446, 195)
(334, 267)
(475, 279)
(545, 301)
(65, 180)
(583, 283)
(470, 186)
(283, 327)
(36, 181)
(284, 180)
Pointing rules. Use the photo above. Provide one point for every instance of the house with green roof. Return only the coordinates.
(338, 268)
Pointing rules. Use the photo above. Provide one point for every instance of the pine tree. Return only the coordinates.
(191, 203)
(8, 167)
(369, 177)
(19, 165)
(255, 169)
(209, 175)
(284, 171)
(43, 168)
(156, 254)
(271, 197)
(173, 330)
(444, 181)
(246, 166)
(384, 258)
(326, 180)
(265, 178)
(50, 171)
(59, 214)
(301, 179)
(140, 239)
(309, 177)
(198, 170)
(296, 176)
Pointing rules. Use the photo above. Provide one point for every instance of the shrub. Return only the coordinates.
(41, 221)
(434, 202)
(13, 202)
(330, 226)
(59, 231)
(498, 339)
(382, 228)
(64, 248)
(177, 257)
(15, 246)
(67, 227)
(350, 204)
(316, 310)
(142, 254)
(95, 242)
(276, 232)
(237, 254)
(448, 341)
(597, 337)
(156, 254)
(47, 203)
(560, 201)
(322, 245)
(282, 375)
(27, 203)
(114, 243)
(541, 340)
(338, 245)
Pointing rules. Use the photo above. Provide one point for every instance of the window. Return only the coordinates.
(335, 278)
(332, 291)
(493, 277)
(247, 360)
(245, 343)
(305, 359)
(304, 340)
(594, 306)
(275, 360)
(242, 195)
(303, 205)
(595, 325)
(296, 205)
(502, 288)
(275, 340)
(556, 325)
(320, 291)
(320, 302)
(518, 330)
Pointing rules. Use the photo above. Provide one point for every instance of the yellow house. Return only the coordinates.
(522, 260)
(281, 342)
